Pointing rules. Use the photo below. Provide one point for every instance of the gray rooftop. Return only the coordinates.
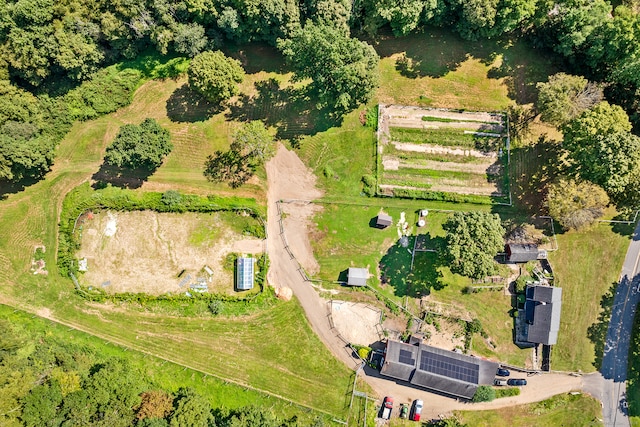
(518, 252)
(357, 276)
(436, 369)
(542, 314)
(383, 220)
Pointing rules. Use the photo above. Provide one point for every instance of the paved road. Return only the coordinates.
(616, 351)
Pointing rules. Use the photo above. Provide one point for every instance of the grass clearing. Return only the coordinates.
(237, 347)
(585, 266)
(562, 410)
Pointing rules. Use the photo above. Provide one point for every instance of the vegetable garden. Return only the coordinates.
(440, 154)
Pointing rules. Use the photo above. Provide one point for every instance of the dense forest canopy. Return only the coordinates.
(54, 54)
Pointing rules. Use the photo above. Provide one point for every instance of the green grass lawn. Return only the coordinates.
(562, 410)
(585, 266)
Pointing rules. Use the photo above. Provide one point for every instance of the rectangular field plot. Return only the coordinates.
(159, 253)
(425, 150)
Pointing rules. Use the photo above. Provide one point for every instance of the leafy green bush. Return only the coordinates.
(484, 393)
(440, 196)
(363, 352)
(369, 185)
(107, 91)
(216, 307)
(507, 392)
(371, 119)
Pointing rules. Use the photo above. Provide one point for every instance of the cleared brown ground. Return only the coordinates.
(145, 251)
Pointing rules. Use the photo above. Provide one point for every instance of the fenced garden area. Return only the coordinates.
(439, 154)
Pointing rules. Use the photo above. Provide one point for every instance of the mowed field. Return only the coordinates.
(158, 253)
(254, 349)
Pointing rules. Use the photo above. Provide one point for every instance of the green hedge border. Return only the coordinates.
(84, 198)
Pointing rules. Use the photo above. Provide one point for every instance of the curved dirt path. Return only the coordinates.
(288, 178)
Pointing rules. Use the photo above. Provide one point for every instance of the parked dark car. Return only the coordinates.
(503, 372)
(517, 381)
(387, 407)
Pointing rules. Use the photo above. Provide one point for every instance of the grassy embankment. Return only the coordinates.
(254, 350)
(562, 410)
(162, 374)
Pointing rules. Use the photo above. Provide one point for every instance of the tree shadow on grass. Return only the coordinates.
(291, 110)
(186, 105)
(9, 187)
(120, 177)
(532, 169)
(433, 53)
(597, 332)
(396, 270)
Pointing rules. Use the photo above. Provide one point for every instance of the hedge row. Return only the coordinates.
(440, 196)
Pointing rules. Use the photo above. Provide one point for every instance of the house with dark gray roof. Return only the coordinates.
(357, 276)
(435, 369)
(523, 252)
(542, 314)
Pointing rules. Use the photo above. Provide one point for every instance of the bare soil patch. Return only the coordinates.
(357, 323)
(159, 253)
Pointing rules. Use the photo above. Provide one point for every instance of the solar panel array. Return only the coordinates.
(245, 273)
(446, 366)
(406, 358)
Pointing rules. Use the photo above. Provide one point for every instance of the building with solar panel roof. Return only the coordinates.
(244, 280)
(438, 370)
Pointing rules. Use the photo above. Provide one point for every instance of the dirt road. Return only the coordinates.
(288, 178)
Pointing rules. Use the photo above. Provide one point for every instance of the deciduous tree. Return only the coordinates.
(139, 146)
(602, 150)
(343, 69)
(576, 204)
(564, 97)
(191, 410)
(473, 239)
(215, 76)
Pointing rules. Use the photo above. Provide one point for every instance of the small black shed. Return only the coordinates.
(521, 252)
(383, 220)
